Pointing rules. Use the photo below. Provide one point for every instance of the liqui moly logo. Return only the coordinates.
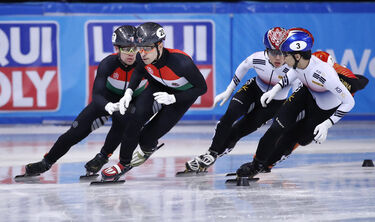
(196, 38)
(29, 76)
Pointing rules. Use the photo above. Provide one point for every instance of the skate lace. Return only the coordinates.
(115, 169)
(206, 160)
(193, 164)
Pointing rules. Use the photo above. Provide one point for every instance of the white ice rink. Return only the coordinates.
(323, 182)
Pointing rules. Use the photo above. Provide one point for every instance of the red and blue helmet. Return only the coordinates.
(275, 37)
(298, 40)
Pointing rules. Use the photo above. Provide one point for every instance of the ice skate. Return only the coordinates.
(192, 169)
(140, 156)
(33, 170)
(111, 175)
(246, 173)
(250, 169)
(93, 166)
(198, 165)
(206, 160)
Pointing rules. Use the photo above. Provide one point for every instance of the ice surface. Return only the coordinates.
(319, 182)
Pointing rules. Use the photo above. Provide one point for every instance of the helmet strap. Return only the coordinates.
(295, 62)
(157, 51)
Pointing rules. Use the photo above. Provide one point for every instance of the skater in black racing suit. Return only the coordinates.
(174, 81)
(110, 83)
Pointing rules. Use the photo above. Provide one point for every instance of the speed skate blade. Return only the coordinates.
(190, 173)
(88, 177)
(230, 174)
(241, 181)
(27, 178)
(105, 182)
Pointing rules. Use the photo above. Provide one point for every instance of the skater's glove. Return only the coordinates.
(164, 98)
(111, 107)
(267, 97)
(125, 101)
(223, 97)
(321, 131)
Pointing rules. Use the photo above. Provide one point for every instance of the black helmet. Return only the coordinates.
(149, 33)
(124, 36)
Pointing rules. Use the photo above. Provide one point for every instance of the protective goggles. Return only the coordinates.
(145, 48)
(275, 52)
(128, 49)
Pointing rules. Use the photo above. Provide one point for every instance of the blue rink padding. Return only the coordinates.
(232, 31)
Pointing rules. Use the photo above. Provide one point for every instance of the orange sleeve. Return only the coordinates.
(344, 71)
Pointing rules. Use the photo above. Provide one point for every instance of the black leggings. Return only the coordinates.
(285, 132)
(82, 126)
(153, 129)
(246, 104)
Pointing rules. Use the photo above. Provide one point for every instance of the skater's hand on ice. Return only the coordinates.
(111, 107)
(164, 98)
(268, 96)
(224, 96)
(125, 101)
(321, 131)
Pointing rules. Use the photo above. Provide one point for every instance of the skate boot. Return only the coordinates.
(94, 165)
(206, 160)
(32, 170)
(198, 165)
(250, 169)
(192, 169)
(37, 168)
(192, 165)
(114, 172)
(140, 156)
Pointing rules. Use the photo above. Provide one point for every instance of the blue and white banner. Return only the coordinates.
(195, 37)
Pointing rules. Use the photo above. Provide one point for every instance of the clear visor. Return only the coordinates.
(145, 48)
(275, 52)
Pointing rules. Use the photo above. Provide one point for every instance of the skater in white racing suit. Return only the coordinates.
(289, 140)
(323, 97)
(245, 104)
